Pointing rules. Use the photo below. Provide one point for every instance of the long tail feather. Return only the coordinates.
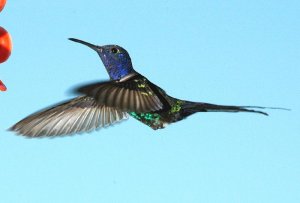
(206, 107)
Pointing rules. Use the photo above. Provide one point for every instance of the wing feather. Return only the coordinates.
(135, 94)
(82, 114)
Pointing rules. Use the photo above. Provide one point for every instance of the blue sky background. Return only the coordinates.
(224, 52)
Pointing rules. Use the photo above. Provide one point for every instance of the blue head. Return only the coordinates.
(115, 59)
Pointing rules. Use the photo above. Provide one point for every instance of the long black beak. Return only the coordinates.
(92, 46)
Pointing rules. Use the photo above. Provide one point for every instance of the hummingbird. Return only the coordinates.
(127, 93)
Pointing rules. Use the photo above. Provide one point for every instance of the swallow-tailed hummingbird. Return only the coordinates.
(104, 103)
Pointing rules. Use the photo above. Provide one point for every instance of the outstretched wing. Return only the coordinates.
(81, 114)
(134, 94)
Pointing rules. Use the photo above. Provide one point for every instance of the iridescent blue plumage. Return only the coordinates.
(116, 61)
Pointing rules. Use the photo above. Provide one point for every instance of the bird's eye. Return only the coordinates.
(114, 50)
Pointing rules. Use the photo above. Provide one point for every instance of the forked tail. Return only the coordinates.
(206, 107)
